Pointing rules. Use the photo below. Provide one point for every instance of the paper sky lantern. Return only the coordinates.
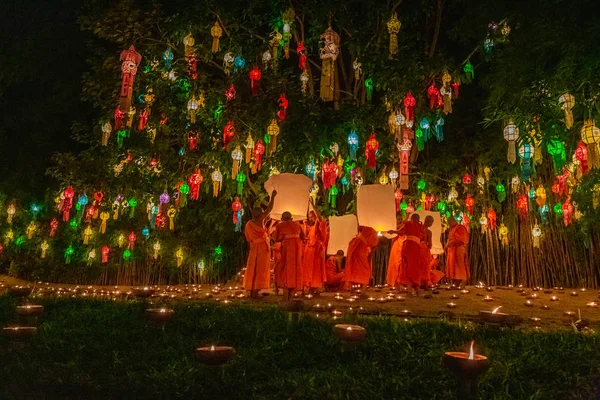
(341, 231)
(436, 230)
(292, 194)
(511, 134)
(376, 207)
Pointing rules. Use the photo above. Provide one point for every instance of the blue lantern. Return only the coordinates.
(424, 124)
(168, 57)
(238, 63)
(353, 142)
(439, 129)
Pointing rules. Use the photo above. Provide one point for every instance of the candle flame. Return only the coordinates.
(349, 328)
(162, 310)
(212, 348)
(496, 309)
(471, 354)
(379, 234)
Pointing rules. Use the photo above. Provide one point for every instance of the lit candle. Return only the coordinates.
(487, 298)
(528, 303)
(450, 305)
(553, 298)
(592, 304)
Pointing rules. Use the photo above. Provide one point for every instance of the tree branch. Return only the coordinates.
(438, 23)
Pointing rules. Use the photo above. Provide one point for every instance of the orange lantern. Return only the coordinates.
(371, 148)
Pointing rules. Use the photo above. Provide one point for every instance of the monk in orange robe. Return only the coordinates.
(290, 235)
(428, 263)
(258, 266)
(411, 273)
(334, 271)
(457, 261)
(392, 276)
(314, 250)
(358, 262)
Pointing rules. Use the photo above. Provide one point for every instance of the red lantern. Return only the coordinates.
(230, 93)
(98, 196)
(409, 106)
(556, 189)
(259, 150)
(491, 217)
(255, 76)
(398, 198)
(433, 94)
(523, 206)
(301, 50)
(163, 119)
(89, 213)
(562, 183)
(130, 60)
(192, 140)
(68, 194)
(467, 179)
(469, 202)
(53, 227)
(228, 134)
(455, 89)
(329, 173)
(371, 148)
(429, 202)
(236, 207)
(282, 103)
(105, 251)
(131, 238)
(119, 115)
(410, 209)
(582, 156)
(143, 119)
(194, 182)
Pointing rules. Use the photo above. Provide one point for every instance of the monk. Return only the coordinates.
(258, 266)
(457, 261)
(334, 271)
(314, 250)
(290, 235)
(395, 262)
(428, 263)
(412, 273)
(358, 262)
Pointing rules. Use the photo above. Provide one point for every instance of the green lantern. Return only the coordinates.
(501, 191)
(421, 185)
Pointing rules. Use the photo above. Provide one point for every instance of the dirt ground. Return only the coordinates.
(549, 305)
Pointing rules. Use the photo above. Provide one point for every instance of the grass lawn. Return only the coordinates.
(101, 349)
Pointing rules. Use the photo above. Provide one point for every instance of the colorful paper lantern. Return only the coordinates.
(567, 102)
(255, 76)
(393, 27)
(511, 134)
(371, 148)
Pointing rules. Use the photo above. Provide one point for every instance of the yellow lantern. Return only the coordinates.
(104, 216)
(44, 246)
(189, 42)
(503, 233)
(87, 234)
(590, 135)
(249, 148)
(91, 256)
(216, 32)
(10, 211)
(217, 179)
(192, 107)
(31, 228)
(237, 156)
(273, 131)
(171, 214)
(393, 26)
(9, 237)
(121, 240)
(179, 256)
(329, 54)
(537, 233)
(511, 134)
(156, 248)
(393, 175)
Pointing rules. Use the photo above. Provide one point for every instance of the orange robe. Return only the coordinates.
(395, 263)
(358, 264)
(314, 255)
(258, 266)
(290, 263)
(457, 261)
(428, 264)
(412, 273)
(334, 278)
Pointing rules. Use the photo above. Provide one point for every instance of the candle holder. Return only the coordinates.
(143, 293)
(159, 316)
(350, 336)
(497, 318)
(467, 367)
(215, 356)
(29, 313)
(19, 333)
(19, 291)
(451, 305)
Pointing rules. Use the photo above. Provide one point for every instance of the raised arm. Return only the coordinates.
(315, 209)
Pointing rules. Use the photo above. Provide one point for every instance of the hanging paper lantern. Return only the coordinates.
(590, 135)
(228, 134)
(398, 198)
(259, 150)
(106, 131)
(217, 179)
(501, 192)
(192, 107)
(393, 176)
(371, 148)
(146, 232)
(216, 32)
(119, 116)
(488, 44)
(446, 92)
(87, 234)
(31, 228)
(536, 233)
(230, 93)
(393, 26)
(301, 51)
(503, 234)
(469, 70)
(543, 210)
(466, 179)
(179, 257)
(304, 78)
(69, 251)
(369, 84)
(523, 206)
(156, 249)
(433, 94)
(81, 203)
(273, 131)
(249, 148)
(329, 54)
(333, 192)
(68, 195)
(421, 184)
(282, 103)
(441, 207)
(483, 221)
(241, 178)
(329, 174)
(255, 76)
(237, 214)
(429, 200)
(567, 102)
(511, 134)
(439, 129)
(10, 213)
(526, 154)
(239, 63)
(556, 149)
(567, 211)
(310, 169)
(44, 246)
(409, 106)
(455, 89)
(383, 178)
(131, 239)
(353, 143)
(53, 227)
(581, 156)
(105, 250)
(424, 125)
(453, 194)
(130, 61)
(469, 202)
(194, 181)
(491, 219)
(236, 156)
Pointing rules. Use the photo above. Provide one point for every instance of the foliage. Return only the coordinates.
(105, 349)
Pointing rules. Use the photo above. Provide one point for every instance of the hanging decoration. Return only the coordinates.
(581, 156)
(106, 131)
(329, 174)
(425, 126)
(255, 76)
(369, 84)
(371, 148)
(404, 149)
(240, 178)
(523, 206)
(216, 32)
(567, 102)
(353, 143)
(194, 181)
(511, 134)
(469, 203)
(44, 246)
(409, 106)
(329, 54)
(273, 131)
(439, 129)
(446, 92)
(190, 56)
(433, 94)
(556, 149)
(393, 27)
(217, 179)
(131, 239)
(228, 134)
(301, 51)
(259, 151)
(282, 104)
(393, 175)
(304, 81)
(130, 60)
(526, 154)
(237, 214)
(53, 227)
(590, 135)
(501, 192)
(228, 61)
(87, 234)
(69, 251)
(31, 228)
(503, 234)
(469, 70)
(491, 219)
(536, 232)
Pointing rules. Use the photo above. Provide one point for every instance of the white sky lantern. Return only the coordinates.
(511, 133)
(376, 207)
(341, 231)
(293, 191)
(436, 230)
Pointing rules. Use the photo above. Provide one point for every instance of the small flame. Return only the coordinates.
(349, 328)
(162, 310)
(379, 234)
(496, 309)
(471, 354)
(212, 348)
